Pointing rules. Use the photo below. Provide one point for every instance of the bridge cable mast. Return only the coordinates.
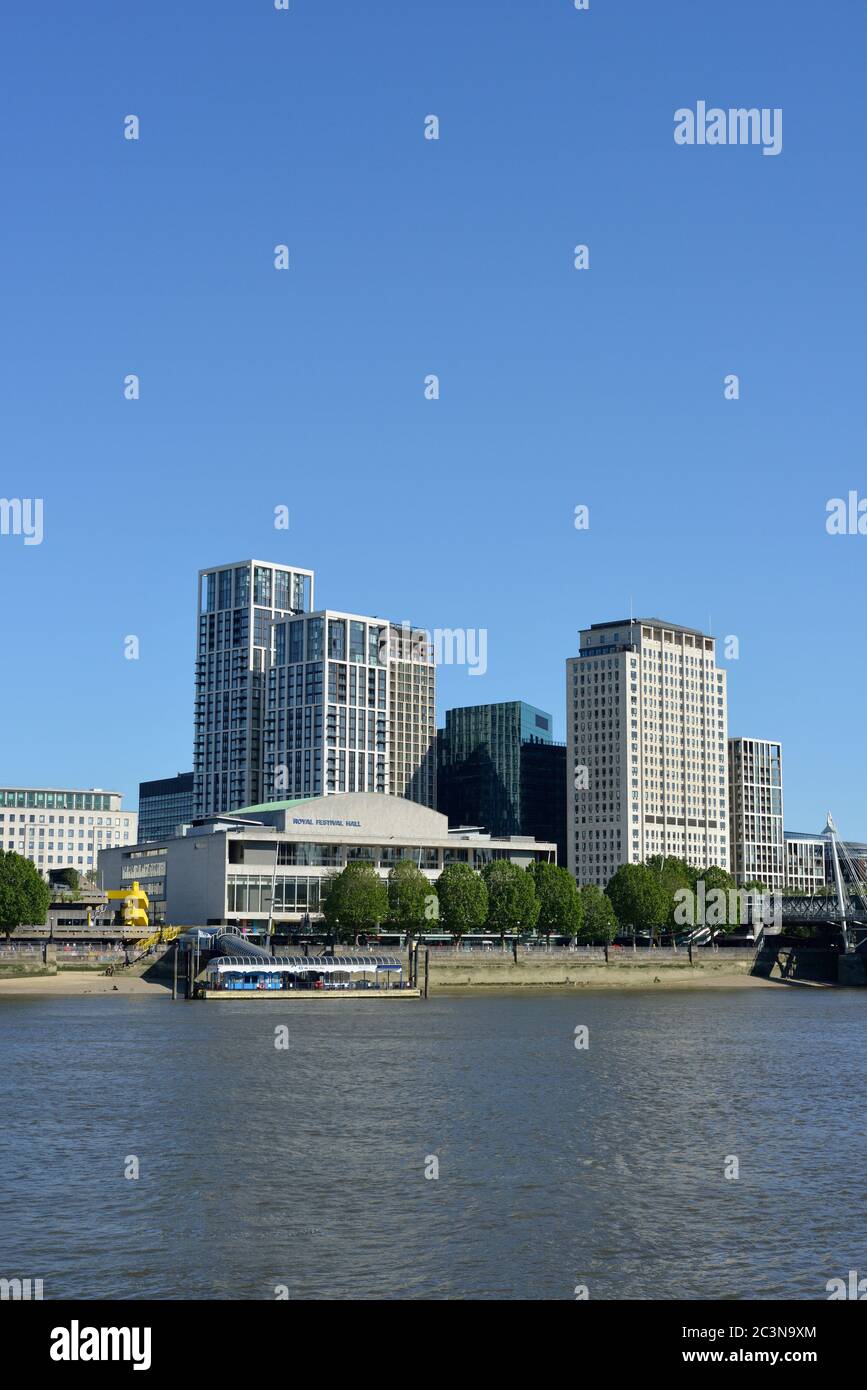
(838, 879)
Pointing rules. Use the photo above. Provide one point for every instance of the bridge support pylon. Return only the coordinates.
(852, 969)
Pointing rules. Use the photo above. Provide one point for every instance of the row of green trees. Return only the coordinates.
(505, 898)
(646, 896)
(502, 898)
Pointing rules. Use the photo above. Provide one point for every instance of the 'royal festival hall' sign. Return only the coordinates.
(327, 824)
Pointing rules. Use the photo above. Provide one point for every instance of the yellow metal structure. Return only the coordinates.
(161, 936)
(135, 904)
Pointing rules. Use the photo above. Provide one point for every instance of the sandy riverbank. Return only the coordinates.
(75, 982)
(625, 980)
(72, 984)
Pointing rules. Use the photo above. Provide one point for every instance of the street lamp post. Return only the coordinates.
(273, 891)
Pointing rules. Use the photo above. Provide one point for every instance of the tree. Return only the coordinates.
(638, 898)
(671, 870)
(674, 875)
(560, 907)
(715, 880)
(600, 923)
(66, 878)
(463, 899)
(512, 902)
(715, 877)
(24, 895)
(408, 894)
(357, 901)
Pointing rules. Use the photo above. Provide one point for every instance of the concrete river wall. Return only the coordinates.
(573, 969)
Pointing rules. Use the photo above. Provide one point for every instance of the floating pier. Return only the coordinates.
(249, 972)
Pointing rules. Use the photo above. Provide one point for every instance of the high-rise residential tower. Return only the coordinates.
(327, 707)
(646, 748)
(756, 812)
(238, 607)
(293, 703)
(350, 707)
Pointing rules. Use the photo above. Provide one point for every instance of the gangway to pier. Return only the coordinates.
(161, 937)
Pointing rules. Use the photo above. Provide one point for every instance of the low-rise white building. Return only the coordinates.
(60, 828)
(221, 872)
(805, 862)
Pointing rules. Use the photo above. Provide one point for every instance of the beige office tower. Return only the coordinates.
(756, 812)
(646, 748)
(412, 725)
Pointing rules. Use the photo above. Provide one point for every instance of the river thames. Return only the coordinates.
(308, 1171)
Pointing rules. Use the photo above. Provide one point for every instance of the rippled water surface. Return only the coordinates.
(305, 1167)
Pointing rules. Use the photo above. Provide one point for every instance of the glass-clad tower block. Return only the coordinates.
(238, 606)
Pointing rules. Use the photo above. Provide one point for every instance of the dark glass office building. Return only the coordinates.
(499, 769)
(165, 804)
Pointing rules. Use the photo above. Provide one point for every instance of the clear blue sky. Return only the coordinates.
(411, 257)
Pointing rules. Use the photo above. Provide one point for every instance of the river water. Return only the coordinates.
(301, 1171)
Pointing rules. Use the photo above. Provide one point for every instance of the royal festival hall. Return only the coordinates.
(222, 870)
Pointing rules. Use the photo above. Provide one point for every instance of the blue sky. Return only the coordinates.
(409, 257)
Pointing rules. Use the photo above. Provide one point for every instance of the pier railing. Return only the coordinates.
(616, 954)
(23, 952)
